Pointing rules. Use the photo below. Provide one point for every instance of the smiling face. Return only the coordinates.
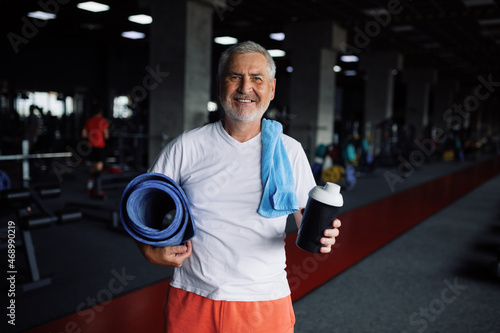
(246, 88)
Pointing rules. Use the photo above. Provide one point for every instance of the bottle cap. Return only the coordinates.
(329, 194)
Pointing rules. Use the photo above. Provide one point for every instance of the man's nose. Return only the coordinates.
(245, 85)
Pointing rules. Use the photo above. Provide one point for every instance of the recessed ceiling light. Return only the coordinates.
(141, 19)
(276, 53)
(350, 72)
(42, 15)
(402, 28)
(475, 3)
(492, 21)
(337, 68)
(92, 6)
(133, 35)
(376, 12)
(279, 36)
(349, 58)
(225, 40)
(289, 69)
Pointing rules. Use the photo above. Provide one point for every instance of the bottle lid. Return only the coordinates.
(328, 194)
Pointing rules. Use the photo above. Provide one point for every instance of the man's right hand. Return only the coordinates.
(172, 256)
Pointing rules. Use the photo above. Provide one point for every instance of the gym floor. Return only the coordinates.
(417, 254)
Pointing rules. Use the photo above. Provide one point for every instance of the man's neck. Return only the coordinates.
(241, 131)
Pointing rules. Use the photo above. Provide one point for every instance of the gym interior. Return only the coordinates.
(396, 101)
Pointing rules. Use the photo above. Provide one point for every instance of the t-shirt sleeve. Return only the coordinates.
(169, 160)
(304, 179)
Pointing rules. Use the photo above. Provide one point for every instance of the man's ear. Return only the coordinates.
(273, 88)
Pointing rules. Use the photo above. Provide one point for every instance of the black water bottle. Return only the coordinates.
(322, 208)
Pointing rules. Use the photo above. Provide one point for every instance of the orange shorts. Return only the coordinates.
(187, 312)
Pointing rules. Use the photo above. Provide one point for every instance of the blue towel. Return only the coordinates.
(146, 201)
(279, 197)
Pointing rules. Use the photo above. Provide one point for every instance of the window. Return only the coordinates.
(120, 107)
(46, 101)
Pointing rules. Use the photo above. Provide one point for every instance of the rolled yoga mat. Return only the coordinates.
(155, 210)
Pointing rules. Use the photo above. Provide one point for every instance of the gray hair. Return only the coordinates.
(246, 47)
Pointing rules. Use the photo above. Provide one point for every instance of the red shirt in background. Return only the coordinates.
(95, 127)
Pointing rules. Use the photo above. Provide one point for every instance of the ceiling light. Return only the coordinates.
(475, 3)
(279, 36)
(492, 21)
(337, 69)
(212, 106)
(92, 6)
(402, 28)
(289, 69)
(141, 19)
(349, 58)
(42, 15)
(350, 73)
(225, 40)
(276, 53)
(133, 35)
(376, 12)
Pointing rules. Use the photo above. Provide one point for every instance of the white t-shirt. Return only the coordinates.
(238, 255)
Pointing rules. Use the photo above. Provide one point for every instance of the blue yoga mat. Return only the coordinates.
(146, 202)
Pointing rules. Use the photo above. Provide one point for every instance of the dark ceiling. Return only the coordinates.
(455, 36)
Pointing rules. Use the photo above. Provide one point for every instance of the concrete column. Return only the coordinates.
(494, 106)
(444, 94)
(419, 81)
(313, 47)
(180, 57)
(379, 91)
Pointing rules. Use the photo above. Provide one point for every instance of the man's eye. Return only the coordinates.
(258, 79)
(234, 77)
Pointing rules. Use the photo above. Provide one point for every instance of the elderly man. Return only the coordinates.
(231, 276)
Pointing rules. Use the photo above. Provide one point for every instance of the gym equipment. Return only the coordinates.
(109, 181)
(154, 210)
(29, 221)
(4, 181)
(108, 211)
(338, 174)
(26, 156)
(334, 174)
(111, 212)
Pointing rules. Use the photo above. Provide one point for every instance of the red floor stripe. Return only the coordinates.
(363, 231)
(138, 311)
